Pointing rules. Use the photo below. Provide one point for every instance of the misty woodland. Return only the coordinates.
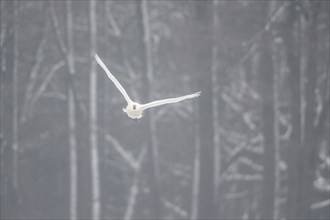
(253, 145)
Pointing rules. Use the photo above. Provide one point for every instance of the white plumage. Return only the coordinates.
(133, 109)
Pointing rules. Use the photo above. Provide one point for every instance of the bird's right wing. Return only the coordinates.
(168, 101)
(114, 80)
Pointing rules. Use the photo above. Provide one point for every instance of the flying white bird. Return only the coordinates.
(133, 109)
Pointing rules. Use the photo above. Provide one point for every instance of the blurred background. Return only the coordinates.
(254, 145)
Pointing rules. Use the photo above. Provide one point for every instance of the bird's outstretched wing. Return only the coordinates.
(168, 101)
(114, 80)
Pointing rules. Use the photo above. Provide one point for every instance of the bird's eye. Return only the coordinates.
(134, 107)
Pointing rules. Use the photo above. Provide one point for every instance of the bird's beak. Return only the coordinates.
(135, 119)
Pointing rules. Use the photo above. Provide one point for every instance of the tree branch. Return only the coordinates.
(111, 21)
(322, 204)
(134, 190)
(43, 86)
(66, 57)
(59, 38)
(178, 210)
(32, 79)
(125, 155)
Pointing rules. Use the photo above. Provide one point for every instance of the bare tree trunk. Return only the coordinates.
(15, 98)
(96, 203)
(266, 74)
(153, 143)
(295, 108)
(71, 117)
(276, 58)
(9, 123)
(134, 190)
(15, 109)
(277, 184)
(321, 200)
(203, 35)
(215, 91)
(310, 148)
(195, 184)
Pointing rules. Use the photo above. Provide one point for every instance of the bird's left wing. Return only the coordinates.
(168, 101)
(114, 80)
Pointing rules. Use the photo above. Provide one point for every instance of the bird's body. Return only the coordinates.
(133, 109)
